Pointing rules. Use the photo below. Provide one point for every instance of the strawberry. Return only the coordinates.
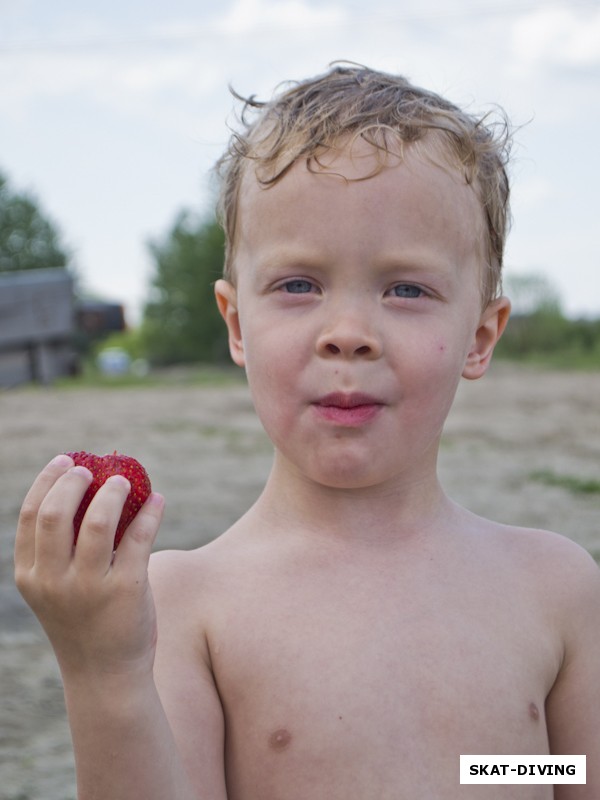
(102, 467)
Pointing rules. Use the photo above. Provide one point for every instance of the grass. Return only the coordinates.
(595, 554)
(199, 375)
(27, 796)
(570, 482)
(558, 360)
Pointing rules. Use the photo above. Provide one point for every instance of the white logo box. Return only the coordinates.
(492, 769)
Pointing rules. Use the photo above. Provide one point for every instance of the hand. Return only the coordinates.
(95, 606)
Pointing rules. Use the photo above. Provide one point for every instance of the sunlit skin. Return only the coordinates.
(364, 658)
(356, 630)
(356, 286)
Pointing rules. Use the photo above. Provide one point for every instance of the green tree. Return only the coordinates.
(28, 239)
(181, 322)
(539, 331)
(532, 293)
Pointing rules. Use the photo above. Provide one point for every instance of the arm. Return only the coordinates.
(573, 704)
(183, 669)
(99, 616)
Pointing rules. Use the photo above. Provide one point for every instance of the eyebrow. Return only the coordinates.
(289, 261)
(417, 261)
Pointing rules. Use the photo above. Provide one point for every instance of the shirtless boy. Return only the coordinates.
(355, 631)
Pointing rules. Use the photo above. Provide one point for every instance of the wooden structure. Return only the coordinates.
(37, 319)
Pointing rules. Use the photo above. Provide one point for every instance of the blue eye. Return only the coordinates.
(297, 286)
(406, 290)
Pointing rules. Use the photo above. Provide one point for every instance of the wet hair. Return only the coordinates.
(305, 119)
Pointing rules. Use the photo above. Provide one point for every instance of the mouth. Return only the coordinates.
(353, 400)
(349, 410)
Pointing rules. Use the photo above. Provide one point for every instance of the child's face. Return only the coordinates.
(357, 307)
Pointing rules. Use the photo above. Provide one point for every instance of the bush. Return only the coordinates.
(547, 336)
(182, 323)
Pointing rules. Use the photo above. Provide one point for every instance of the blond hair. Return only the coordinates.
(310, 117)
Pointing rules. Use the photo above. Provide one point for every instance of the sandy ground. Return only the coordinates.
(206, 452)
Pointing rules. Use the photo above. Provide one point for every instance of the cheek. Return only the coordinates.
(445, 355)
(272, 376)
(447, 361)
(453, 346)
(441, 365)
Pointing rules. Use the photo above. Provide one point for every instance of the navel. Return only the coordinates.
(280, 739)
(534, 712)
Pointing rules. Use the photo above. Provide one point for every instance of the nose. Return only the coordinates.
(349, 335)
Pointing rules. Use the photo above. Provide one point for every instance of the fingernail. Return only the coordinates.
(122, 479)
(63, 460)
(83, 471)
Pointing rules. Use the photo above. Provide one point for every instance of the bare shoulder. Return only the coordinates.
(550, 558)
(540, 570)
(182, 584)
(567, 575)
(174, 573)
(190, 586)
(557, 564)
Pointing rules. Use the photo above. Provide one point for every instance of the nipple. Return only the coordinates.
(534, 712)
(280, 739)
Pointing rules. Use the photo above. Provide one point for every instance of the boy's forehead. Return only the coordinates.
(356, 161)
(351, 158)
(412, 211)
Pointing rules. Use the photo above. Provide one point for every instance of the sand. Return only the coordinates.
(207, 453)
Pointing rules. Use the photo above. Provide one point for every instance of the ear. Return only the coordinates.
(226, 295)
(491, 326)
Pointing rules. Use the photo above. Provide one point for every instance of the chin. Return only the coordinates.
(346, 477)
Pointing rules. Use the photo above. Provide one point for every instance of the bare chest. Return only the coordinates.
(373, 689)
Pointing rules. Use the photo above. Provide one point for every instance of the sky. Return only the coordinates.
(113, 112)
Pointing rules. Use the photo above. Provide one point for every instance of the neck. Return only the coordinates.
(381, 514)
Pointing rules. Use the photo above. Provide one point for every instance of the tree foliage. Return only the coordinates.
(28, 239)
(532, 293)
(181, 322)
(539, 331)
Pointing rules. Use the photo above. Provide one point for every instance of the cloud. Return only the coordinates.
(532, 192)
(252, 16)
(558, 36)
(170, 59)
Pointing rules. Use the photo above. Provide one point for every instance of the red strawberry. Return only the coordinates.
(102, 467)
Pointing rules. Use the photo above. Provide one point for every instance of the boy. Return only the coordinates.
(356, 631)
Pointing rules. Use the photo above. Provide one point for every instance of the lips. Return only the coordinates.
(342, 400)
(350, 410)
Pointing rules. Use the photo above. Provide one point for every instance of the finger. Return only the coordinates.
(25, 538)
(133, 554)
(54, 530)
(94, 547)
